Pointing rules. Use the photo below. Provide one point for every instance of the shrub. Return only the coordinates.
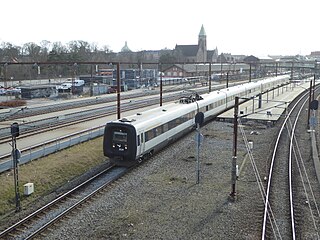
(13, 103)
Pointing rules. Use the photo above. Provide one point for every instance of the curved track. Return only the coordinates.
(280, 215)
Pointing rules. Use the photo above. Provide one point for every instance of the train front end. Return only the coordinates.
(119, 143)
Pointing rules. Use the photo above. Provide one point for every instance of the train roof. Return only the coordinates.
(157, 115)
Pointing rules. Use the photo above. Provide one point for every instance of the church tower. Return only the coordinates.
(202, 46)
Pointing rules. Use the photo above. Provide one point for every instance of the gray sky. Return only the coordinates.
(258, 27)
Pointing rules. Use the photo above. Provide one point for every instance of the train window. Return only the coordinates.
(203, 109)
(171, 124)
(165, 127)
(138, 140)
(146, 137)
(155, 132)
(120, 137)
(141, 137)
(149, 135)
(190, 115)
(159, 130)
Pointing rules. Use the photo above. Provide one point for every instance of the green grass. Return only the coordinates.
(49, 173)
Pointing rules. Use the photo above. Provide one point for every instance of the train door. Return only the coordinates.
(141, 144)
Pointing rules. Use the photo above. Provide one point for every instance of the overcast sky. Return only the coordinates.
(258, 27)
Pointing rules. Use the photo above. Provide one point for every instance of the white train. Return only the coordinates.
(129, 140)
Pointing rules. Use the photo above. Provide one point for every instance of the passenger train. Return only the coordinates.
(129, 140)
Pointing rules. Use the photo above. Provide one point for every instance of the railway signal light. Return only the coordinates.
(15, 130)
(314, 105)
(199, 118)
(15, 157)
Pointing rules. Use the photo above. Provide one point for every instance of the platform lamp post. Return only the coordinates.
(15, 158)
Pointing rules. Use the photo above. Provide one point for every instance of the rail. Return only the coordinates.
(35, 223)
(267, 208)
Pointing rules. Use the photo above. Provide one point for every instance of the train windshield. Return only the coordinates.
(120, 137)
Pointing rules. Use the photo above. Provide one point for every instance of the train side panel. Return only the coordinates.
(126, 142)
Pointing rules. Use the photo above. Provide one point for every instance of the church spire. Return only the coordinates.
(202, 32)
(202, 45)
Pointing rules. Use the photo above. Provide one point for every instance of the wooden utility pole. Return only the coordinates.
(234, 157)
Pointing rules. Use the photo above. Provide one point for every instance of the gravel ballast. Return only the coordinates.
(161, 200)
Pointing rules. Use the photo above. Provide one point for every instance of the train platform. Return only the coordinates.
(272, 104)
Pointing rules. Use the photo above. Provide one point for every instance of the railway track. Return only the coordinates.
(283, 213)
(51, 123)
(28, 112)
(43, 219)
(44, 125)
(40, 220)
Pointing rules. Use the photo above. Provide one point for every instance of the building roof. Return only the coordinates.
(191, 67)
(263, 57)
(215, 67)
(210, 54)
(188, 50)
(251, 59)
